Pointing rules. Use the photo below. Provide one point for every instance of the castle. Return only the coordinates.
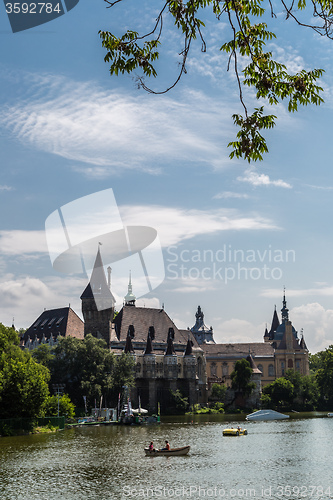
(168, 358)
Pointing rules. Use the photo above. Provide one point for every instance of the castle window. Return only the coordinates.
(138, 367)
(298, 365)
(261, 368)
(290, 363)
(213, 370)
(271, 371)
(225, 370)
(282, 367)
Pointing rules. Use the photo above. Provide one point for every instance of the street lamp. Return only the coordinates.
(58, 389)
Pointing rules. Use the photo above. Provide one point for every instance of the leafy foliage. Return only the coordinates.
(23, 382)
(322, 362)
(66, 407)
(241, 377)
(281, 392)
(218, 392)
(87, 368)
(246, 48)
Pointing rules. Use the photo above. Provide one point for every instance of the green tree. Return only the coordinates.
(241, 377)
(218, 392)
(66, 407)
(281, 392)
(305, 392)
(245, 44)
(178, 402)
(23, 382)
(324, 377)
(88, 368)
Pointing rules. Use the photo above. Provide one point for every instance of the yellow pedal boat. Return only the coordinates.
(234, 432)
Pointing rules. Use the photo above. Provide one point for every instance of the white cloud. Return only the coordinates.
(21, 242)
(4, 187)
(111, 132)
(229, 194)
(256, 179)
(24, 299)
(172, 224)
(175, 224)
(238, 330)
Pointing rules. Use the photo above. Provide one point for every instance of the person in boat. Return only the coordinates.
(167, 446)
(151, 446)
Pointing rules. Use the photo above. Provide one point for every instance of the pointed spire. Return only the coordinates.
(302, 342)
(128, 345)
(170, 350)
(97, 287)
(130, 298)
(284, 310)
(188, 350)
(275, 324)
(149, 345)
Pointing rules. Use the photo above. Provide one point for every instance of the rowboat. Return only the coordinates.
(234, 432)
(168, 453)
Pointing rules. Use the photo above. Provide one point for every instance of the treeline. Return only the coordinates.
(304, 393)
(85, 368)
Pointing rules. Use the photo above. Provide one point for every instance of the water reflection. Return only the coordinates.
(109, 463)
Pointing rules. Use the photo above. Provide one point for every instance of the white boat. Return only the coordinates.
(266, 415)
(330, 414)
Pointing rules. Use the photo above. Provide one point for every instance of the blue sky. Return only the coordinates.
(68, 129)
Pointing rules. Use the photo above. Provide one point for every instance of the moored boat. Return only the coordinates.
(168, 453)
(266, 415)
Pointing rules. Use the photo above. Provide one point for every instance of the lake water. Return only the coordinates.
(289, 459)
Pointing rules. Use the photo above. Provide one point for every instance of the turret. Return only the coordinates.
(98, 303)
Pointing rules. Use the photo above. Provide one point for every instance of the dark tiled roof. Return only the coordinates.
(142, 318)
(256, 349)
(63, 321)
(283, 344)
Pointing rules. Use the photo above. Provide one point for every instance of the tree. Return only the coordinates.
(323, 362)
(66, 407)
(246, 48)
(87, 368)
(241, 377)
(23, 382)
(281, 392)
(218, 392)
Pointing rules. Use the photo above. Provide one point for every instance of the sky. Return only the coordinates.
(233, 235)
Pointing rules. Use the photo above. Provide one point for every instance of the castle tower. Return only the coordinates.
(98, 304)
(130, 298)
(200, 330)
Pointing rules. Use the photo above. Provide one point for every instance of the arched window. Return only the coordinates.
(290, 363)
(271, 371)
(282, 367)
(261, 368)
(298, 365)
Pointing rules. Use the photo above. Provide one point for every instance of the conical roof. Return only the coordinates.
(170, 350)
(149, 345)
(275, 324)
(128, 345)
(97, 287)
(188, 350)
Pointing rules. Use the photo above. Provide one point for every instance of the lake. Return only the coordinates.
(289, 459)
